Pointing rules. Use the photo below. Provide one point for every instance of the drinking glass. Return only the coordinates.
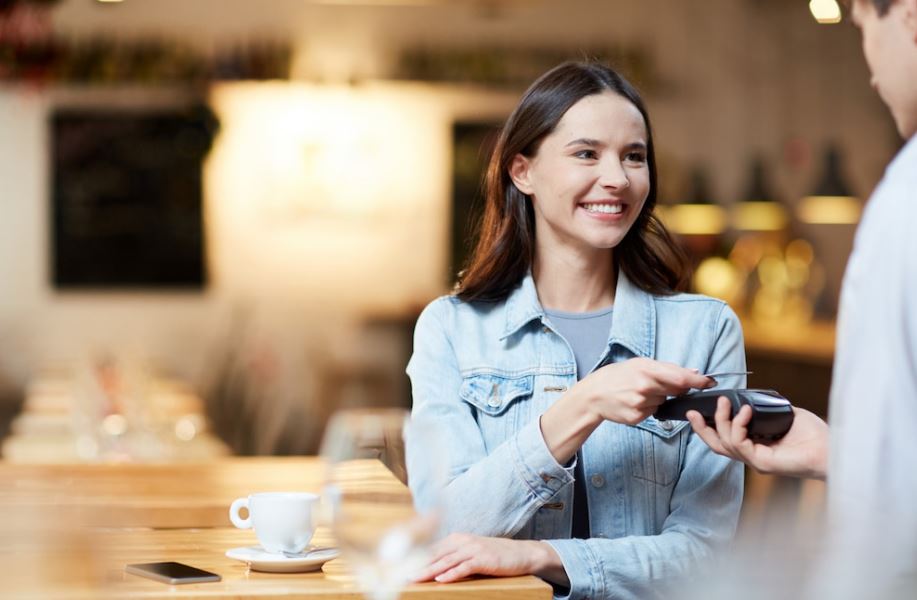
(383, 536)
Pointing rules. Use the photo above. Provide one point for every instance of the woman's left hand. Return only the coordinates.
(461, 555)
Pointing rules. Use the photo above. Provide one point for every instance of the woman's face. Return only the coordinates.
(589, 178)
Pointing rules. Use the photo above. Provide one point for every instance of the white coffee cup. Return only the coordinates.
(283, 521)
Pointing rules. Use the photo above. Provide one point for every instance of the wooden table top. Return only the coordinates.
(206, 549)
(162, 495)
(69, 530)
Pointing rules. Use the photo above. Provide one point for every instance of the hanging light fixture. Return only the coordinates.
(831, 203)
(759, 209)
(699, 215)
(826, 12)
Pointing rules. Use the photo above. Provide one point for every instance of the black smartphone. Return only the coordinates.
(172, 572)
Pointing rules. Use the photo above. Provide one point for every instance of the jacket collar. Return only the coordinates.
(522, 307)
(633, 325)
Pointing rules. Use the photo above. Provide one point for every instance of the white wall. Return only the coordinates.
(737, 76)
(38, 325)
(356, 230)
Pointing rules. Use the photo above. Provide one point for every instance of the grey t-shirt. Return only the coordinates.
(587, 334)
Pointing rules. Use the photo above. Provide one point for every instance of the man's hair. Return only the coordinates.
(882, 6)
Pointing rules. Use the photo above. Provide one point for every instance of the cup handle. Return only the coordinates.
(237, 505)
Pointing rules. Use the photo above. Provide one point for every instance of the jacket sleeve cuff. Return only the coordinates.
(535, 464)
(583, 570)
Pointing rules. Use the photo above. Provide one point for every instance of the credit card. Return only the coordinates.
(726, 374)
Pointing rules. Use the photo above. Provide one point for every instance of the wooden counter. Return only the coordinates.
(68, 531)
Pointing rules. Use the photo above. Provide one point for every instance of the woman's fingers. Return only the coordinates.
(445, 555)
(437, 567)
(460, 571)
(485, 556)
(630, 391)
(445, 547)
(461, 559)
(674, 379)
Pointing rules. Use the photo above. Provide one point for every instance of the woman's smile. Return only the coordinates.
(605, 211)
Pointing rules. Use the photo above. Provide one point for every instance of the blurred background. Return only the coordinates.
(219, 219)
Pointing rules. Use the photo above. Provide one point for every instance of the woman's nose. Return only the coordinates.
(613, 175)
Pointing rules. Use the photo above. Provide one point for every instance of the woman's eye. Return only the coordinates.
(637, 157)
(588, 154)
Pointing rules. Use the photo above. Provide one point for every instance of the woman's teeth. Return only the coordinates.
(611, 209)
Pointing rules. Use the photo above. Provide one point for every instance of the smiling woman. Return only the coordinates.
(592, 100)
(587, 192)
(563, 337)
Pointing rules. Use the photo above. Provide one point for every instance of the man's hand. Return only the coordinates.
(802, 452)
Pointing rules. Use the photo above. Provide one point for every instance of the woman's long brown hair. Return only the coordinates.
(647, 255)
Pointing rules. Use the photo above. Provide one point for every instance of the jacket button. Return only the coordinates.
(597, 480)
(555, 388)
(546, 329)
(494, 399)
(666, 425)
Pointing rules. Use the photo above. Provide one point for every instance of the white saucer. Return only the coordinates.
(260, 559)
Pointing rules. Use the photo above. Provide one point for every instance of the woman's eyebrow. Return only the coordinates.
(584, 142)
(595, 143)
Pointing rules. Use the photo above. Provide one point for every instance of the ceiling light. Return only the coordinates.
(832, 202)
(825, 11)
(699, 215)
(758, 210)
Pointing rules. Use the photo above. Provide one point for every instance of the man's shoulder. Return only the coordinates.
(901, 175)
(892, 208)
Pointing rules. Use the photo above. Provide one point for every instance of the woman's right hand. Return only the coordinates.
(628, 392)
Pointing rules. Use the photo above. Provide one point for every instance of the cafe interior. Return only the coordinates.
(221, 220)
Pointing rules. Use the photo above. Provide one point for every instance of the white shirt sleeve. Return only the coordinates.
(872, 477)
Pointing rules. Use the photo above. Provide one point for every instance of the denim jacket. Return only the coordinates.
(660, 501)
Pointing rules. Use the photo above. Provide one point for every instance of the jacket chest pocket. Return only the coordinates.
(501, 404)
(659, 450)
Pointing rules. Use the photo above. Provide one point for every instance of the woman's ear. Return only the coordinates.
(520, 173)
